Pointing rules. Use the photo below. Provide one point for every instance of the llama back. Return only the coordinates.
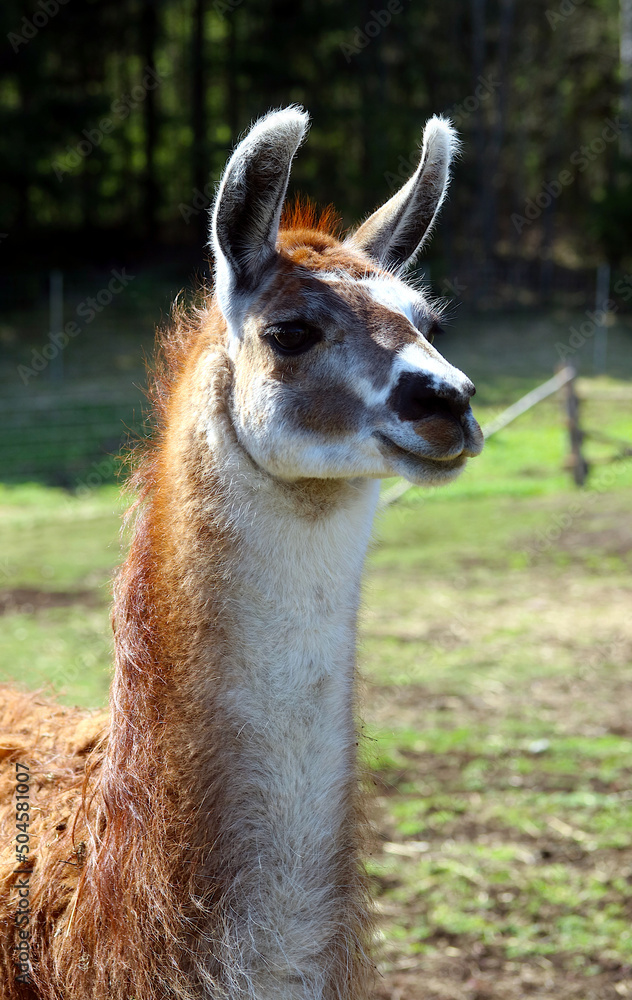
(52, 745)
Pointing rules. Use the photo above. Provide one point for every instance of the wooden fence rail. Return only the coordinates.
(530, 400)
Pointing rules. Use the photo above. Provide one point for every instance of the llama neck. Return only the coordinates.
(287, 701)
(253, 589)
(293, 597)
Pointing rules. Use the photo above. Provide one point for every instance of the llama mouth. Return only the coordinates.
(448, 464)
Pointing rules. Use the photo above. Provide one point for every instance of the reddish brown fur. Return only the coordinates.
(302, 214)
(128, 878)
(311, 237)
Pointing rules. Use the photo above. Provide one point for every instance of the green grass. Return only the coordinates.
(66, 547)
(499, 714)
(64, 653)
(38, 525)
(495, 643)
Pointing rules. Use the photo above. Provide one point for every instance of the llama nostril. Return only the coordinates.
(417, 396)
(458, 402)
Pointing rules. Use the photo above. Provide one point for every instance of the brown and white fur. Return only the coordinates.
(210, 844)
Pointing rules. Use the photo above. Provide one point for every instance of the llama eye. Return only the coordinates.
(434, 329)
(292, 338)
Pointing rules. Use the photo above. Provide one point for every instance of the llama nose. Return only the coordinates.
(417, 396)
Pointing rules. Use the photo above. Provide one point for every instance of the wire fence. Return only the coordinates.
(60, 438)
(56, 427)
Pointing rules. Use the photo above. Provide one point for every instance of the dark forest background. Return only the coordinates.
(117, 117)
(496, 641)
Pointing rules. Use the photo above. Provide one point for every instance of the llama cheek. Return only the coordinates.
(331, 412)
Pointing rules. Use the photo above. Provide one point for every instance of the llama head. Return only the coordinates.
(334, 372)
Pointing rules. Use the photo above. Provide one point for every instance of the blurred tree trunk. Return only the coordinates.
(477, 11)
(123, 86)
(552, 162)
(21, 177)
(625, 139)
(494, 151)
(232, 89)
(200, 164)
(149, 31)
(88, 189)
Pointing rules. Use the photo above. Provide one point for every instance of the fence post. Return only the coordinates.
(600, 344)
(578, 463)
(56, 321)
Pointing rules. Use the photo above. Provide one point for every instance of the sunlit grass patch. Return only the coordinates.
(506, 898)
(51, 539)
(65, 652)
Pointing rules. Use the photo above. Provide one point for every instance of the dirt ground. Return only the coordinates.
(547, 698)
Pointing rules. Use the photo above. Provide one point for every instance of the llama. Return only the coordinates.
(207, 841)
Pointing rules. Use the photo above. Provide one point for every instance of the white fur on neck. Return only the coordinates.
(292, 603)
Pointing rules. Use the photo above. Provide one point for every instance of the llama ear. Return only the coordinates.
(248, 206)
(395, 232)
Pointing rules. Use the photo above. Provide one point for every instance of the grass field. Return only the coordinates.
(496, 644)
